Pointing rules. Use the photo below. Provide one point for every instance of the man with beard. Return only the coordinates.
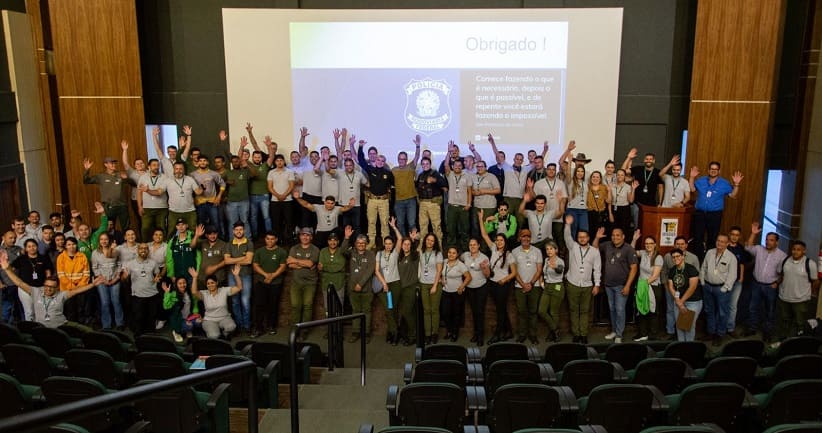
(134, 175)
(651, 187)
(677, 191)
(207, 204)
(112, 189)
(145, 299)
(380, 183)
(152, 200)
(181, 191)
(484, 194)
(350, 182)
(430, 185)
(711, 191)
(258, 187)
(583, 279)
(237, 202)
(405, 197)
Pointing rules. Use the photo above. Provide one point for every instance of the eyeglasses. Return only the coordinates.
(650, 243)
(53, 286)
(676, 256)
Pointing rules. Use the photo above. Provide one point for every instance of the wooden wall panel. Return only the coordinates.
(96, 48)
(736, 49)
(93, 128)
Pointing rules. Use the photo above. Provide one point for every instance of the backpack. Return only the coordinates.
(807, 268)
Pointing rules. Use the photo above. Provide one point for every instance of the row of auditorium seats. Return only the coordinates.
(696, 428)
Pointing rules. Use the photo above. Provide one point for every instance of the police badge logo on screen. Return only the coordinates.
(427, 105)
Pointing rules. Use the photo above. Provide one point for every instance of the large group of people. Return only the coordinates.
(474, 227)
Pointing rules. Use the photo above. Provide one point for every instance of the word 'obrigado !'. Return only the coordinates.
(503, 46)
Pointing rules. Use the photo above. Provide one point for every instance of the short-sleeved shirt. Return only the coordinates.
(388, 265)
(49, 311)
(675, 190)
(210, 181)
(239, 248)
(280, 180)
(271, 260)
(554, 191)
(428, 266)
(238, 181)
(514, 182)
(326, 219)
(452, 276)
(619, 194)
(795, 286)
(499, 262)
(710, 197)
(259, 183)
(216, 305)
(646, 268)
(528, 263)
(210, 255)
(580, 199)
(616, 263)
(486, 181)
(305, 275)
(331, 186)
(154, 183)
(553, 276)
(32, 270)
(458, 185)
(141, 273)
(540, 224)
(474, 264)
(181, 194)
(350, 185)
(681, 280)
(649, 182)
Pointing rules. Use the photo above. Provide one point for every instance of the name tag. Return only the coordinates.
(708, 194)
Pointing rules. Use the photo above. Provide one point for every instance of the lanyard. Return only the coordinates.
(350, 178)
(647, 176)
(153, 180)
(582, 256)
(427, 258)
(180, 184)
(539, 220)
(46, 302)
(717, 260)
(550, 186)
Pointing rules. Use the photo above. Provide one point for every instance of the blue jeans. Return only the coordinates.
(616, 302)
(580, 221)
(110, 296)
(352, 218)
(11, 312)
(406, 211)
(259, 206)
(696, 307)
(670, 314)
(208, 214)
(717, 304)
(241, 304)
(237, 211)
(762, 294)
(735, 292)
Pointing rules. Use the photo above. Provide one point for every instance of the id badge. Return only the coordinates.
(456, 189)
(425, 273)
(708, 194)
(356, 270)
(645, 189)
(557, 287)
(582, 269)
(34, 275)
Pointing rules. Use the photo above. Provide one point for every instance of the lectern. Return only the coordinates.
(665, 224)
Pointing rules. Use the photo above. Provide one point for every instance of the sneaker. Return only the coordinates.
(642, 338)
(618, 340)
(775, 345)
(177, 337)
(189, 335)
(160, 325)
(611, 336)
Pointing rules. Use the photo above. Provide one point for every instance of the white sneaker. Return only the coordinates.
(160, 325)
(618, 340)
(643, 338)
(177, 337)
(610, 336)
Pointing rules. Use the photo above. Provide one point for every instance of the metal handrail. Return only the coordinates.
(292, 348)
(37, 420)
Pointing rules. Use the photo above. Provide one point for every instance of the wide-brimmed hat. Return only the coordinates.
(581, 157)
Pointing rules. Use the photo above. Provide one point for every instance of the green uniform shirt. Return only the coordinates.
(239, 248)
(305, 275)
(270, 261)
(237, 181)
(210, 255)
(259, 183)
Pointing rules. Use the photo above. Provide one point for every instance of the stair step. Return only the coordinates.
(340, 397)
(351, 376)
(323, 421)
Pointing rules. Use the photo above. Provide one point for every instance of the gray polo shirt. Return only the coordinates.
(458, 185)
(675, 189)
(350, 185)
(388, 265)
(486, 181)
(474, 264)
(554, 191)
(616, 263)
(795, 286)
(216, 305)
(154, 183)
(181, 194)
(326, 219)
(330, 186)
(452, 276)
(49, 311)
(540, 224)
(428, 266)
(141, 273)
(528, 262)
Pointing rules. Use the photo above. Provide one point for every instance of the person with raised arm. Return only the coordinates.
(405, 193)
(328, 214)
(430, 187)
(711, 191)
(408, 262)
(460, 193)
(380, 183)
(677, 191)
(387, 273)
(583, 279)
(767, 262)
(217, 319)
(112, 189)
(500, 280)
(651, 187)
(134, 175)
(152, 199)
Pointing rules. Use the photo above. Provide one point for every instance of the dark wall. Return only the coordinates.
(184, 65)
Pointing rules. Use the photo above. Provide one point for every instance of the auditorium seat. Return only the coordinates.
(59, 390)
(720, 403)
(431, 405)
(267, 381)
(560, 354)
(692, 352)
(507, 351)
(54, 341)
(97, 365)
(791, 401)
(737, 369)
(666, 374)
(185, 410)
(17, 397)
(584, 375)
(109, 343)
(628, 355)
(30, 364)
(159, 366)
(263, 353)
(751, 348)
(519, 406)
(620, 408)
(506, 372)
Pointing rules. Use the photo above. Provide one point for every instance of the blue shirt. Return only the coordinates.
(710, 198)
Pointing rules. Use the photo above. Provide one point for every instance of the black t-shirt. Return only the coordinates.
(649, 182)
(681, 278)
(33, 270)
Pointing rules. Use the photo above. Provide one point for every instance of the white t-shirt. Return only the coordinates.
(279, 181)
(452, 276)
(181, 193)
(675, 189)
(474, 265)
(326, 219)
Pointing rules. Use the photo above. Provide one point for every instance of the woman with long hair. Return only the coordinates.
(597, 202)
(619, 211)
(408, 263)
(477, 289)
(430, 272)
(499, 281)
(455, 277)
(387, 273)
(105, 261)
(577, 201)
(649, 286)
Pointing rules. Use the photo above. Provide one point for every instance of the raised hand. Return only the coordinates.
(637, 234)
(569, 219)
(572, 145)
(414, 234)
(632, 153)
(87, 163)
(199, 230)
(243, 142)
(391, 221)
(417, 140)
(675, 160)
(600, 231)
(737, 177)
(694, 171)
(545, 146)
(336, 133)
(236, 270)
(98, 207)
(75, 213)
(348, 231)
(155, 131)
(304, 132)
(249, 127)
(361, 143)
(756, 228)
(192, 272)
(451, 145)
(635, 184)
(352, 139)
(124, 144)
(186, 130)
(166, 287)
(222, 135)
(491, 139)
(471, 147)
(267, 141)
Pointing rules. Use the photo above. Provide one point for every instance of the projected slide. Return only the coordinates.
(445, 80)
(524, 75)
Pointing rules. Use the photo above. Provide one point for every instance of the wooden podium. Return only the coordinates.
(665, 224)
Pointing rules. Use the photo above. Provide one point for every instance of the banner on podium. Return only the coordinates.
(668, 228)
